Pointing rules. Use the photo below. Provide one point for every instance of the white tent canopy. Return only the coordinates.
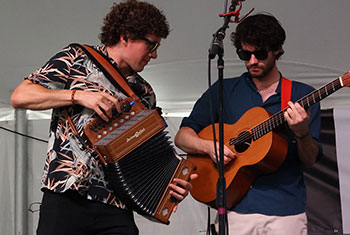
(317, 45)
(317, 50)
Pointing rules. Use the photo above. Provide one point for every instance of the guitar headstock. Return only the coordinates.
(346, 79)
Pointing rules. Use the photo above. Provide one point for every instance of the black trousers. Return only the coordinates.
(71, 214)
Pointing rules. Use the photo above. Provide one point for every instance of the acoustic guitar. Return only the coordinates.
(259, 147)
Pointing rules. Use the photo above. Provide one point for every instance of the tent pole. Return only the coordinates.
(21, 166)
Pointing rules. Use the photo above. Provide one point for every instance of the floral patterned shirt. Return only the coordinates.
(69, 165)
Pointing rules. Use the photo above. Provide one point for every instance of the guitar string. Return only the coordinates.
(259, 130)
(278, 118)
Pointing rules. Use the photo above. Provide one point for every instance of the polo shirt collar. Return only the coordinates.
(251, 84)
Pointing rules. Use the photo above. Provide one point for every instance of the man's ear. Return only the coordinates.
(278, 51)
(125, 38)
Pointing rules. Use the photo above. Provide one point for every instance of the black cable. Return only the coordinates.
(32, 209)
(28, 136)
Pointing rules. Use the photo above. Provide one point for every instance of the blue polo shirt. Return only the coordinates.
(282, 192)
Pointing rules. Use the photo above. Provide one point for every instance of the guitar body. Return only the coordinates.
(261, 156)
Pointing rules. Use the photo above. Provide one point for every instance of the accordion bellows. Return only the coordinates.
(140, 160)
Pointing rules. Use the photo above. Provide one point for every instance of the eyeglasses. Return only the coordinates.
(152, 44)
(246, 55)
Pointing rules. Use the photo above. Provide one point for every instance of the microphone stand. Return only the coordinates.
(216, 48)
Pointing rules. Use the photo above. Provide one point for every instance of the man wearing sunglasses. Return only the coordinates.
(77, 198)
(275, 203)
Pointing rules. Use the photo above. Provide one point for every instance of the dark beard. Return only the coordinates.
(265, 71)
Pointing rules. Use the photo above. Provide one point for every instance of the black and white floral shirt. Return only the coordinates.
(68, 164)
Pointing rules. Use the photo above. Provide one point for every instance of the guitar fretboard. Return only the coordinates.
(306, 102)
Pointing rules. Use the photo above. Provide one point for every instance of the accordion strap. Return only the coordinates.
(111, 72)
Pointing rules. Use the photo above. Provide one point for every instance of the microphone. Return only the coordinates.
(216, 46)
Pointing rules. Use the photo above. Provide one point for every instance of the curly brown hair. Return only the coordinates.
(261, 30)
(133, 19)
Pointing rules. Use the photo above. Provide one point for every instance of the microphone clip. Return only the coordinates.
(236, 14)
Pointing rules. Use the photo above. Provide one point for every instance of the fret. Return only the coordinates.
(265, 127)
(261, 129)
(308, 103)
(317, 98)
(324, 93)
(280, 118)
(255, 137)
(327, 90)
(341, 81)
(258, 133)
(269, 125)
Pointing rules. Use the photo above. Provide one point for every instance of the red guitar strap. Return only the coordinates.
(286, 92)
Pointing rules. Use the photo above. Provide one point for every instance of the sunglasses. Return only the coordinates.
(246, 55)
(152, 44)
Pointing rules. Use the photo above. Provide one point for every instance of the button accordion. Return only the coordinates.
(140, 161)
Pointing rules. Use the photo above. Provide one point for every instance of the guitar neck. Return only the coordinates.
(306, 102)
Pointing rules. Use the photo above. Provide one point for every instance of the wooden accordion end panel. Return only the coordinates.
(141, 162)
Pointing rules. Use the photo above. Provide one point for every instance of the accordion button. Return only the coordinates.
(132, 113)
(115, 124)
(99, 136)
(165, 211)
(121, 120)
(126, 107)
(127, 117)
(93, 128)
(185, 171)
(104, 132)
(110, 128)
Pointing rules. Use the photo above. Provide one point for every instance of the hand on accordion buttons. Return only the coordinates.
(101, 102)
(180, 188)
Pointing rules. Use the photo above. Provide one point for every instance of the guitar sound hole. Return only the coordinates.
(244, 141)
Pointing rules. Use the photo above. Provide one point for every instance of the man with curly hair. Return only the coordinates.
(274, 203)
(77, 199)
